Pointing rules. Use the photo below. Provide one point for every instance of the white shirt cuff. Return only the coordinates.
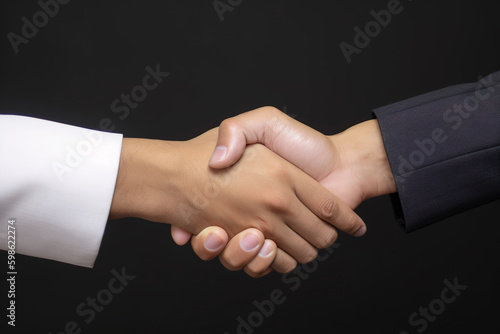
(57, 181)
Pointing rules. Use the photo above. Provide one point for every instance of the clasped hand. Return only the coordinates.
(270, 194)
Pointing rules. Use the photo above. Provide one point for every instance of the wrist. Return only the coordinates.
(144, 164)
(364, 152)
(123, 196)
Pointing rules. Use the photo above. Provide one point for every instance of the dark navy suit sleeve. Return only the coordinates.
(444, 151)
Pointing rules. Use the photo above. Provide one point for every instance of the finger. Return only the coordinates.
(292, 140)
(283, 262)
(327, 206)
(260, 265)
(268, 271)
(230, 145)
(209, 243)
(234, 135)
(292, 243)
(241, 249)
(313, 229)
(180, 235)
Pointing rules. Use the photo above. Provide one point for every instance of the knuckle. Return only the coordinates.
(230, 263)
(254, 271)
(228, 123)
(267, 228)
(329, 209)
(270, 110)
(309, 256)
(287, 267)
(199, 249)
(279, 170)
(205, 257)
(278, 203)
(275, 125)
(284, 265)
(351, 224)
(251, 273)
(327, 238)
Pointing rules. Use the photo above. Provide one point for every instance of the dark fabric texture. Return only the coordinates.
(444, 150)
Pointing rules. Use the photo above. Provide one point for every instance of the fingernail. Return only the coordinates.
(267, 249)
(360, 232)
(213, 243)
(249, 242)
(219, 154)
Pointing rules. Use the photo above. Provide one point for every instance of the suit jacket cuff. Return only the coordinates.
(444, 150)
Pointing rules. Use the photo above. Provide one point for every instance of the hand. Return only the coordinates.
(353, 164)
(256, 262)
(170, 182)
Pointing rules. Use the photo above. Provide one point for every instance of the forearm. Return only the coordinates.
(146, 180)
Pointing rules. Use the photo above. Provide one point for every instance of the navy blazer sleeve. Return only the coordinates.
(444, 150)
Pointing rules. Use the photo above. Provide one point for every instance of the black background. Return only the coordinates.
(280, 53)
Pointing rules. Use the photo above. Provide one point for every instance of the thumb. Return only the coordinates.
(230, 145)
(301, 145)
(235, 133)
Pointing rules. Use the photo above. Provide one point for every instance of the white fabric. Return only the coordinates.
(57, 181)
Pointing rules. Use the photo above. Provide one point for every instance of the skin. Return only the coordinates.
(352, 165)
(260, 195)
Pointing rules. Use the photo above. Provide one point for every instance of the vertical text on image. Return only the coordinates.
(11, 271)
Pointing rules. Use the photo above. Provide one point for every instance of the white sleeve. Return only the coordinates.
(57, 182)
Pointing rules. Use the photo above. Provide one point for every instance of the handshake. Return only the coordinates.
(271, 193)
